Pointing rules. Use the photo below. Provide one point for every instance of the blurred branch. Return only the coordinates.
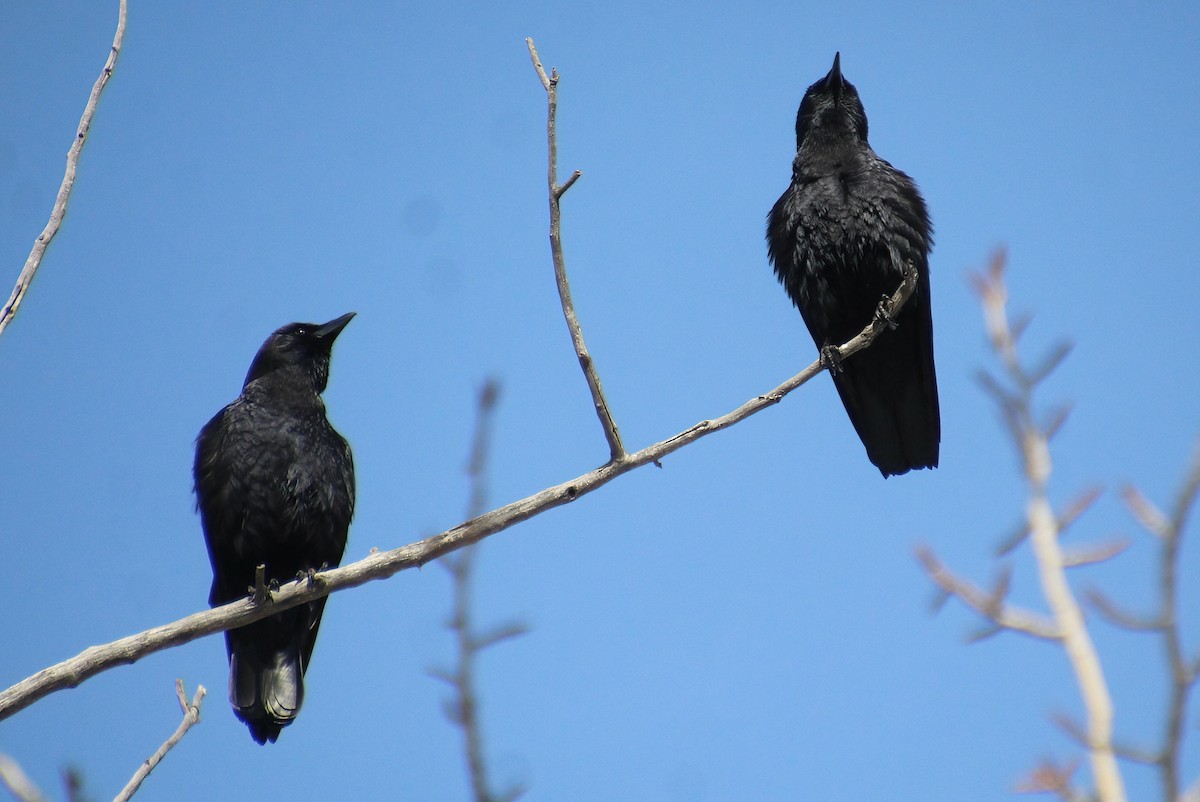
(1051, 778)
(73, 781)
(9, 311)
(191, 716)
(550, 83)
(463, 710)
(17, 781)
(1168, 531)
(991, 606)
(1014, 396)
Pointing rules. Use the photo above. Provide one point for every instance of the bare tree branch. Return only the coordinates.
(73, 781)
(9, 311)
(1044, 537)
(191, 716)
(1096, 553)
(1149, 516)
(463, 709)
(550, 83)
(17, 781)
(991, 606)
(1183, 674)
(1015, 399)
(382, 564)
(1070, 514)
(1119, 617)
(1051, 778)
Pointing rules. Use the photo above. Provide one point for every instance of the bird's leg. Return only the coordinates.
(831, 358)
(310, 574)
(259, 593)
(884, 312)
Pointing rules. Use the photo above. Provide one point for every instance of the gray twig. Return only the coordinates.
(550, 83)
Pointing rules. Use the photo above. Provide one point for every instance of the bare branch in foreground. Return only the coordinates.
(9, 311)
(463, 709)
(17, 781)
(191, 716)
(1014, 396)
(991, 606)
(382, 564)
(616, 450)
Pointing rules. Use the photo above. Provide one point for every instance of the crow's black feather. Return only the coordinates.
(275, 487)
(839, 238)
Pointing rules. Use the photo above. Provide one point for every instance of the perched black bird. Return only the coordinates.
(839, 238)
(275, 487)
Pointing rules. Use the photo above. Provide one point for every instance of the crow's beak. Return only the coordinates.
(333, 328)
(834, 80)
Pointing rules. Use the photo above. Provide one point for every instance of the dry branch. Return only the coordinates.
(9, 311)
(377, 565)
(616, 450)
(1014, 396)
(380, 565)
(191, 716)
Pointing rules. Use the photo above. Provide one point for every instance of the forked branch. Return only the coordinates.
(616, 450)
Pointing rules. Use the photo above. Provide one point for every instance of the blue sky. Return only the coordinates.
(747, 622)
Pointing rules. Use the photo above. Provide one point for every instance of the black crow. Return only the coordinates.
(275, 487)
(839, 238)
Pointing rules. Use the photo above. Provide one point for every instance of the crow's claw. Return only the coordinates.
(831, 358)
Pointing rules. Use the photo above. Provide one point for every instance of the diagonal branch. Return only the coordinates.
(9, 311)
(616, 449)
(380, 565)
(191, 716)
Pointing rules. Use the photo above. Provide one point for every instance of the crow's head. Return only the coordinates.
(831, 108)
(304, 346)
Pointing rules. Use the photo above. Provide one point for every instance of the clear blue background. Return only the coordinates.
(747, 622)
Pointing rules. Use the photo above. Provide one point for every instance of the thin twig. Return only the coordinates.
(64, 190)
(17, 781)
(616, 449)
(191, 716)
(1119, 617)
(382, 564)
